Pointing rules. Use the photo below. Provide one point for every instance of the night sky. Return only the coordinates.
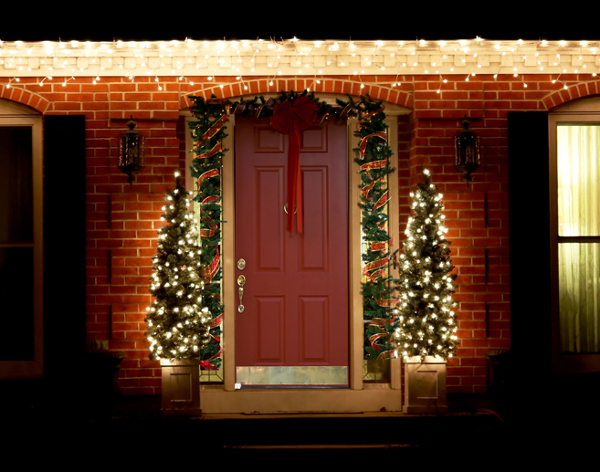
(140, 22)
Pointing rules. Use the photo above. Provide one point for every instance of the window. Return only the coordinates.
(578, 171)
(575, 242)
(16, 243)
(20, 242)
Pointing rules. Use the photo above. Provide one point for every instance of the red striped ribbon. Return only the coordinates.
(216, 126)
(216, 148)
(382, 200)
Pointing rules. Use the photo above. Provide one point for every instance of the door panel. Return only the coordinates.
(269, 231)
(270, 316)
(296, 293)
(314, 244)
(314, 323)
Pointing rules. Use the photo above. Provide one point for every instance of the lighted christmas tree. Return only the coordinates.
(177, 323)
(426, 320)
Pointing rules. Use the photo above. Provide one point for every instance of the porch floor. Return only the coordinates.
(556, 418)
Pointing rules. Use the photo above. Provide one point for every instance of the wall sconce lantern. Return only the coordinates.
(131, 152)
(468, 157)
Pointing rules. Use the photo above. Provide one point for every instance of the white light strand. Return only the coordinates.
(187, 58)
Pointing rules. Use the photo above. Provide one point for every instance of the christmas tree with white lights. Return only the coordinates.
(426, 324)
(177, 324)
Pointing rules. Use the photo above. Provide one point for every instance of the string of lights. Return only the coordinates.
(296, 57)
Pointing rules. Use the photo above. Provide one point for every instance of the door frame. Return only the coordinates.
(360, 396)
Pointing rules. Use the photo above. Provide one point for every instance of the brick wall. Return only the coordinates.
(122, 223)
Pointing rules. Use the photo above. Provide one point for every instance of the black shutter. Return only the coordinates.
(529, 209)
(64, 244)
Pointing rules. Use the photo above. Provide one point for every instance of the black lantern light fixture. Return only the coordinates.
(131, 151)
(468, 157)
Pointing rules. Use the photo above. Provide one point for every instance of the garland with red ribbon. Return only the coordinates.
(290, 113)
(374, 168)
(208, 130)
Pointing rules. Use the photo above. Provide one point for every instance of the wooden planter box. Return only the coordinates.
(425, 386)
(181, 387)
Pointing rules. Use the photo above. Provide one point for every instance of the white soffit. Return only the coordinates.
(247, 58)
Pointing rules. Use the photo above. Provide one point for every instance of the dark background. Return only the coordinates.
(139, 21)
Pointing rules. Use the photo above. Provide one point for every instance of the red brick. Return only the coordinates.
(427, 139)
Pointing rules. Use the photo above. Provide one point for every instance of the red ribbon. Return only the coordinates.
(386, 355)
(376, 337)
(346, 110)
(379, 246)
(382, 200)
(207, 233)
(367, 117)
(216, 148)
(215, 127)
(386, 302)
(377, 274)
(365, 140)
(374, 165)
(206, 365)
(367, 188)
(214, 266)
(206, 175)
(292, 118)
(216, 321)
(377, 264)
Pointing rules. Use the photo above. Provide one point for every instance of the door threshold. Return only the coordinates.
(302, 415)
(300, 401)
(293, 387)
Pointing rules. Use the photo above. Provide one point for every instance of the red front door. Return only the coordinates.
(293, 330)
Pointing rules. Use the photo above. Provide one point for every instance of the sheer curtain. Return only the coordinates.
(579, 216)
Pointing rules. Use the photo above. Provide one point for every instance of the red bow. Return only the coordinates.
(292, 118)
(205, 365)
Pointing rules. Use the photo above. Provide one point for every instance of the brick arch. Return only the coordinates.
(327, 85)
(25, 97)
(583, 89)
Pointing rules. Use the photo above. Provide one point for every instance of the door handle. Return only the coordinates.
(241, 281)
(285, 207)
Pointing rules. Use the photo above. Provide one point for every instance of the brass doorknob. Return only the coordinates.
(241, 281)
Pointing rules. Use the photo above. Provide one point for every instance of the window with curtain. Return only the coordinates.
(578, 199)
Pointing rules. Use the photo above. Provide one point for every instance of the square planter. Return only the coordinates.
(181, 387)
(425, 386)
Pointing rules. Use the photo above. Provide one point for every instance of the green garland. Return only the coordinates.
(208, 131)
(374, 169)
(208, 136)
